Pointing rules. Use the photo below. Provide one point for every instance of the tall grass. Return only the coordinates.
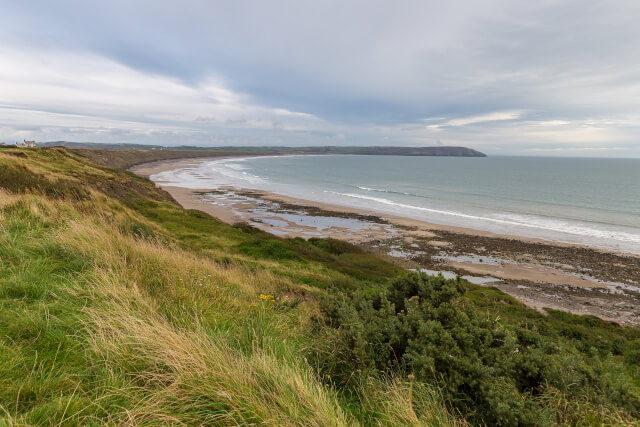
(101, 325)
(119, 307)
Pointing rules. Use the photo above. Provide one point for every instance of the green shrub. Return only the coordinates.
(335, 247)
(268, 248)
(422, 326)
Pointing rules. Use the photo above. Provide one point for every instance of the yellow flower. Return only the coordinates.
(269, 298)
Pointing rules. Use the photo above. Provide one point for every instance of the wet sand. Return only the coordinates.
(539, 273)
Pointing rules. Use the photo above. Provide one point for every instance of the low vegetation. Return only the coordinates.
(128, 157)
(117, 306)
(494, 371)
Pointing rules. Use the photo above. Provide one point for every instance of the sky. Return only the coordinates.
(544, 78)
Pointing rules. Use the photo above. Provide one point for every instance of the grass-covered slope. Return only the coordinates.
(118, 306)
(128, 157)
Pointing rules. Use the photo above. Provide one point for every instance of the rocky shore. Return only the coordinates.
(541, 274)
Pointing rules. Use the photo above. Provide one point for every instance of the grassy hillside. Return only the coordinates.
(118, 306)
(127, 158)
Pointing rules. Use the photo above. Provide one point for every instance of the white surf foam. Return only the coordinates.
(379, 190)
(209, 174)
(559, 226)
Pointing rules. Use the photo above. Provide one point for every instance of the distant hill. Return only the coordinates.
(412, 151)
(133, 154)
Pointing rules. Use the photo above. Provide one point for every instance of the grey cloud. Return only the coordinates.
(364, 66)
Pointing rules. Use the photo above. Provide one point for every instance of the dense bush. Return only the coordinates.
(268, 248)
(335, 247)
(422, 327)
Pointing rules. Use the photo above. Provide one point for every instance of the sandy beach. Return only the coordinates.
(539, 273)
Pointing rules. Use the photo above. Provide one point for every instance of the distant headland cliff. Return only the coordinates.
(410, 151)
(333, 149)
(127, 155)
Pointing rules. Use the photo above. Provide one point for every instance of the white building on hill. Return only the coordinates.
(28, 144)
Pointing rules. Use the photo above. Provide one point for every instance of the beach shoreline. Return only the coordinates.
(185, 195)
(541, 273)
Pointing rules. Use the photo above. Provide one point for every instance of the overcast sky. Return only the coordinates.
(504, 77)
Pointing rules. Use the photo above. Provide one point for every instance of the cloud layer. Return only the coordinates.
(505, 77)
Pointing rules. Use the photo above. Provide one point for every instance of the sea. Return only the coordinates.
(595, 202)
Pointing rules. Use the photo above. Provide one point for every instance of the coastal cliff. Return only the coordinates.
(329, 149)
(119, 306)
(127, 155)
(413, 151)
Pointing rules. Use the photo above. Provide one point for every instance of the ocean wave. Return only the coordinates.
(379, 190)
(558, 225)
(230, 168)
(210, 174)
(233, 165)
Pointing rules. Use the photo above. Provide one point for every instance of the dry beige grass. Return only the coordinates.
(7, 198)
(185, 370)
(183, 365)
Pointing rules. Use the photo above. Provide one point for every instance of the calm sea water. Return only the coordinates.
(576, 200)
